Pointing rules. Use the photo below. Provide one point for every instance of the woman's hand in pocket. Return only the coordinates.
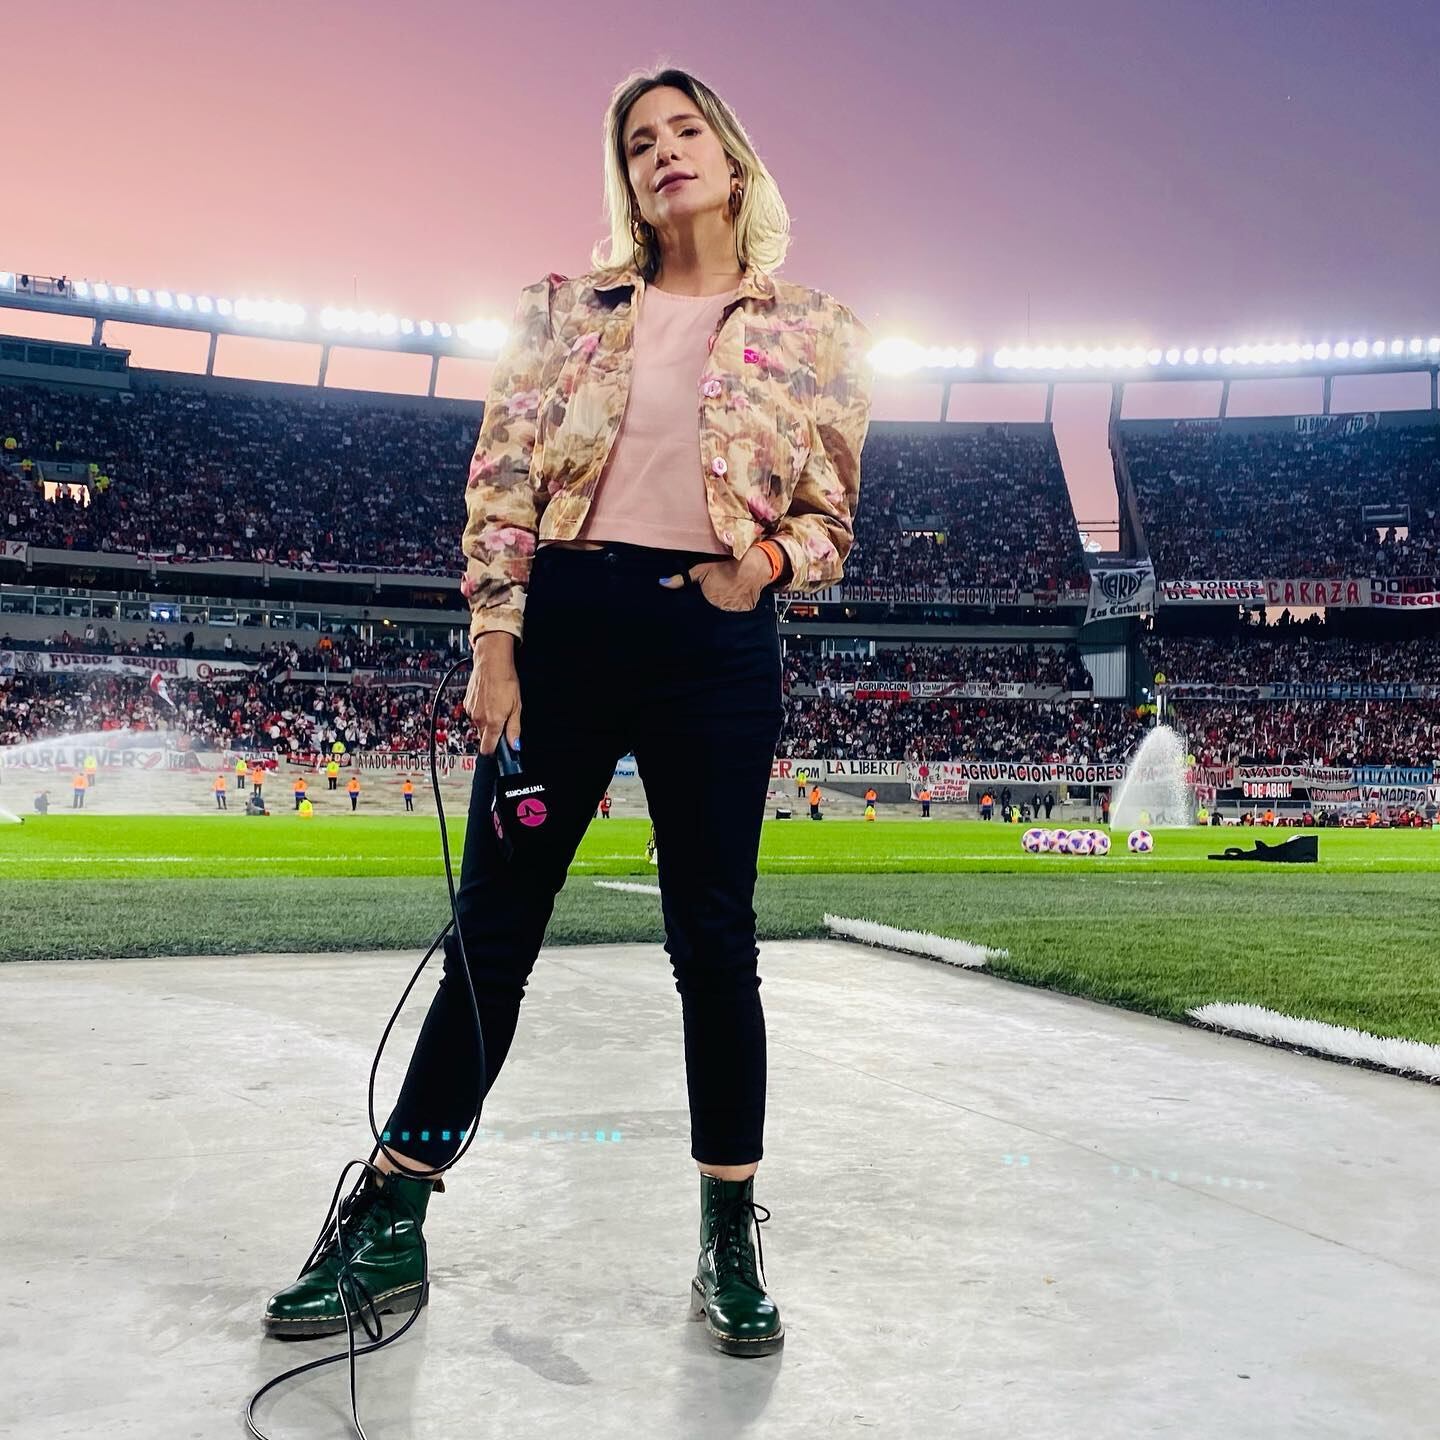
(729, 584)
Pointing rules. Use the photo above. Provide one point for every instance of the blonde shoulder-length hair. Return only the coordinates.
(762, 227)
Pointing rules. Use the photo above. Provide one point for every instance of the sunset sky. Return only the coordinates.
(1161, 172)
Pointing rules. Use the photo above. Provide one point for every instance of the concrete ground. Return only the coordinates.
(997, 1212)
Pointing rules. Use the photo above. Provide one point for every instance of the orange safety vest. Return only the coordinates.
(354, 785)
(299, 786)
(79, 781)
(815, 796)
(870, 795)
(219, 782)
(924, 794)
(257, 777)
(407, 788)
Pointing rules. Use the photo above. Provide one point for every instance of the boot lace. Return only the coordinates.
(733, 1253)
(359, 1216)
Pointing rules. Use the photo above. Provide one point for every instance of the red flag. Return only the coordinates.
(159, 689)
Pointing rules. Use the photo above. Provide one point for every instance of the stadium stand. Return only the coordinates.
(1286, 496)
(207, 474)
(951, 506)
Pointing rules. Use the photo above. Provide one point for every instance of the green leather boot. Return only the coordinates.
(385, 1271)
(727, 1292)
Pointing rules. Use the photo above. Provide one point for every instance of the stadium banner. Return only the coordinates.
(1335, 594)
(1392, 592)
(68, 662)
(1302, 776)
(1116, 594)
(1394, 775)
(989, 597)
(943, 776)
(950, 690)
(16, 550)
(55, 755)
(1301, 690)
(1211, 592)
(823, 769)
(1330, 426)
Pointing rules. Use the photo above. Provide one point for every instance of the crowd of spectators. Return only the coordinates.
(1262, 504)
(256, 714)
(205, 474)
(983, 506)
(292, 715)
(1304, 655)
(849, 729)
(289, 715)
(1329, 732)
(1054, 666)
(307, 482)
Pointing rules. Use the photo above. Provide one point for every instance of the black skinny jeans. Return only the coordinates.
(613, 662)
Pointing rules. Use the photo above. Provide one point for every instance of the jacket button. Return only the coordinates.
(713, 387)
(718, 465)
(728, 537)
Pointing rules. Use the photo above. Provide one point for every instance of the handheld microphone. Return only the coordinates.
(518, 811)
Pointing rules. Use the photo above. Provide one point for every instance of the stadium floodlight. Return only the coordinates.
(102, 291)
(426, 328)
(1192, 355)
(122, 294)
(82, 289)
(1307, 351)
(1322, 350)
(1397, 347)
(484, 334)
(7, 279)
(349, 321)
(1433, 346)
(225, 305)
(142, 296)
(1416, 345)
(204, 304)
(1360, 349)
(1342, 349)
(1209, 354)
(388, 324)
(1154, 357)
(185, 302)
(1172, 356)
(407, 327)
(163, 299)
(897, 356)
(445, 330)
(369, 322)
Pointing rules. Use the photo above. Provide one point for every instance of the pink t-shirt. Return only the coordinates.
(652, 490)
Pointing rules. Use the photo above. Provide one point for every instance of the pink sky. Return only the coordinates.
(1164, 174)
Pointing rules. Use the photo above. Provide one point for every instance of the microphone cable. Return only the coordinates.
(507, 765)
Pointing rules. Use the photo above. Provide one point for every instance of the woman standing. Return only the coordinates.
(621, 575)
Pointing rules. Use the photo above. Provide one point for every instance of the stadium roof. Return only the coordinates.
(1327, 355)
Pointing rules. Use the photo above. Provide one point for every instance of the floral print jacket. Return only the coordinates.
(782, 403)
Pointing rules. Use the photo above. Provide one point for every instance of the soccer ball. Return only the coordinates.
(1033, 841)
(1080, 842)
(1140, 842)
(1047, 839)
(1102, 843)
(1062, 839)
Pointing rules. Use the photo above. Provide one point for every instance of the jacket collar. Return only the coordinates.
(755, 283)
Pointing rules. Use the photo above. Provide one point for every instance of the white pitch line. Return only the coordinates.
(916, 942)
(629, 886)
(1410, 1057)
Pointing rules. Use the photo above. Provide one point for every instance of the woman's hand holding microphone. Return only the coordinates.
(492, 698)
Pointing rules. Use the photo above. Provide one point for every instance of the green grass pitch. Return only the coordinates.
(1352, 940)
